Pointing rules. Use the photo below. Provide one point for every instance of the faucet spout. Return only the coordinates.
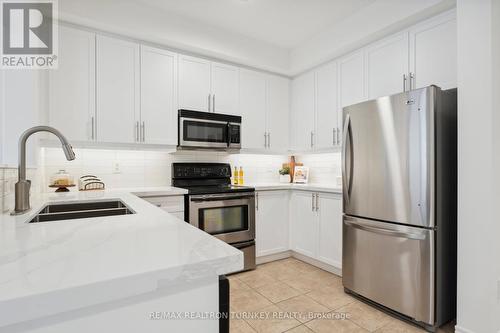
(22, 187)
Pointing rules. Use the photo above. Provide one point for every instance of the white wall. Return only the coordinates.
(373, 22)
(478, 222)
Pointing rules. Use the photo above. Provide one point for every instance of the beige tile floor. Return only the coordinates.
(288, 296)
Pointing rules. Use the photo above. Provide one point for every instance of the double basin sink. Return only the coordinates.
(81, 210)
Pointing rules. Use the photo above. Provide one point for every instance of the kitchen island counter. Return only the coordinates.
(49, 268)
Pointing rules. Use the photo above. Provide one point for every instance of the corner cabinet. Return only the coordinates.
(118, 92)
(271, 223)
(316, 226)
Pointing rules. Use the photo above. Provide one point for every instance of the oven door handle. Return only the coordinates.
(220, 197)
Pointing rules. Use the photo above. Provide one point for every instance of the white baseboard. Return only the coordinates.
(459, 329)
(288, 254)
(273, 257)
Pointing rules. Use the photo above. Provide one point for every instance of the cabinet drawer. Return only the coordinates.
(168, 203)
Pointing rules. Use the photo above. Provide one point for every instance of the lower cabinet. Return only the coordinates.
(316, 226)
(271, 222)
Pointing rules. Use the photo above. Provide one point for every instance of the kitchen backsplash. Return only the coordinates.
(134, 168)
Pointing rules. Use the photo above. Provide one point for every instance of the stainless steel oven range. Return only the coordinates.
(216, 207)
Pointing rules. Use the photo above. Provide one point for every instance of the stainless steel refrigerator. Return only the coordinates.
(399, 171)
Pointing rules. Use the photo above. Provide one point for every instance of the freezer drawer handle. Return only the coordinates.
(388, 232)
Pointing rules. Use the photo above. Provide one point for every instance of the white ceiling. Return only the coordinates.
(284, 23)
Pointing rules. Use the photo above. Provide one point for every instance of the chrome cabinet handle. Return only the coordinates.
(404, 82)
(317, 201)
(312, 139)
(412, 76)
(92, 132)
(268, 139)
(312, 202)
(257, 201)
(338, 137)
(213, 103)
(209, 102)
(143, 131)
(265, 139)
(334, 137)
(137, 131)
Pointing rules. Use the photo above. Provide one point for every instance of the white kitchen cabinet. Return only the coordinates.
(208, 86)
(304, 223)
(352, 79)
(302, 115)
(118, 97)
(327, 107)
(253, 109)
(271, 222)
(72, 86)
(225, 88)
(386, 64)
(433, 52)
(158, 115)
(330, 229)
(20, 108)
(194, 84)
(278, 110)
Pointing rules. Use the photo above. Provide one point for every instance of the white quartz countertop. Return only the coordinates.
(144, 192)
(327, 188)
(51, 267)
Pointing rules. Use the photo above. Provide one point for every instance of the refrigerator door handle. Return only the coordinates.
(347, 183)
(384, 231)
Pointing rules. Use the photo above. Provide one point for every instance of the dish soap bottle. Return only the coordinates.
(235, 176)
(240, 177)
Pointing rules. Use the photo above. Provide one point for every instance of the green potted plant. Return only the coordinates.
(285, 174)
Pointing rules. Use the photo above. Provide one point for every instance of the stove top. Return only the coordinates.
(205, 178)
(214, 189)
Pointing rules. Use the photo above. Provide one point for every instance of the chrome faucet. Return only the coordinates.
(22, 189)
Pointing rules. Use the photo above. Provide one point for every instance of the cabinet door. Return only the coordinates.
(327, 106)
(20, 108)
(387, 66)
(433, 52)
(253, 109)
(117, 90)
(72, 85)
(302, 134)
(278, 111)
(330, 229)
(351, 79)
(271, 222)
(225, 88)
(194, 83)
(158, 95)
(304, 224)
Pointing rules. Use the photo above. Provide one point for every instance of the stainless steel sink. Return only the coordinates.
(81, 210)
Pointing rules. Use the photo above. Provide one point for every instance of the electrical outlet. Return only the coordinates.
(116, 167)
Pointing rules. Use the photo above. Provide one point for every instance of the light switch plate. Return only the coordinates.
(116, 168)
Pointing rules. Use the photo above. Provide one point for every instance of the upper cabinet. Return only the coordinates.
(253, 109)
(72, 86)
(118, 83)
(225, 88)
(433, 52)
(158, 116)
(386, 64)
(302, 113)
(278, 110)
(208, 86)
(194, 84)
(327, 107)
(352, 79)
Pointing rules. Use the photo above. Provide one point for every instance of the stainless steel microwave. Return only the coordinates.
(208, 130)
